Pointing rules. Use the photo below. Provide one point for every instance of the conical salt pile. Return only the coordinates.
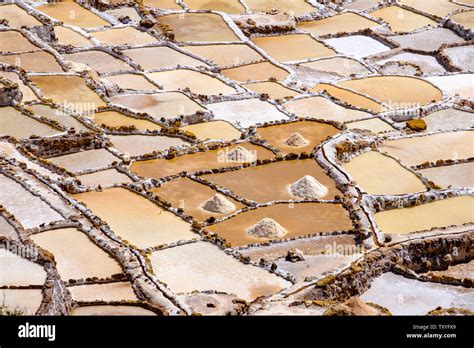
(267, 228)
(218, 204)
(296, 140)
(240, 154)
(308, 188)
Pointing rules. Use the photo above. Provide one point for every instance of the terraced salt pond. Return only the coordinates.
(104, 178)
(67, 36)
(245, 113)
(296, 7)
(76, 255)
(252, 182)
(137, 145)
(342, 66)
(99, 61)
(228, 6)
(190, 196)
(202, 266)
(35, 61)
(17, 17)
(115, 119)
(18, 271)
(375, 125)
(118, 291)
(85, 160)
(119, 310)
(349, 97)
(396, 91)
(61, 11)
(322, 108)
(299, 220)
(358, 46)
(295, 47)
(166, 104)
(68, 90)
(193, 27)
(132, 82)
(218, 130)
(58, 115)
(401, 20)
(426, 216)
(134, 218)
(313, 134)
(14, 123)
(427, 40)
(27, 301)
(417, 150)
(160, 57)
(256, 72)
(273, 89)
(18, 201)
(457, 175)
(403, 296)
(197, 82)
(13, 41)
(449, 119)
(7, 230)
(372, 171)
(123, 36)
(28, 94)
(161, 167)
(226, 55)
(460, 84)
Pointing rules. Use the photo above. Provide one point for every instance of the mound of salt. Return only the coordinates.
(308, 188)
(241, 154)
(296, 140)
(218, 204)
(267, 228)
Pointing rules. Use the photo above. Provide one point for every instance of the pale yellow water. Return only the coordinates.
(116, 119)
(120, 291)
(27, 301)
(375, 125)
(466, 19)
(381, 175)
(123, 36)
(424, 217)
(76, 255)
(397, 91)
(69, 90)
(413, 151)
(68, 36)
(216, 130)
(162, 4)
(83, 160)
(293, 47)
(104, 178)
(73, 14)
(401, 20)
(12, 41)
(57, 115)
(197, 82)
(14, 123)
(255, 72)
(135, 218)
(17, 17)
(19, 271)
(35, 62)
(440, 8)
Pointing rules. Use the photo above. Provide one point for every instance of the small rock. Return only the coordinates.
(295, 255)
(417, 125)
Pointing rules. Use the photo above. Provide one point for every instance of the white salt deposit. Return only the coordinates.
(358, 46)
(308, 188)
(218, 204)
(296, 140)
(267, 228)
